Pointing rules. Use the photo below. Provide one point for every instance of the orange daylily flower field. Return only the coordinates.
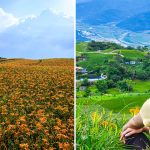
(36, 104)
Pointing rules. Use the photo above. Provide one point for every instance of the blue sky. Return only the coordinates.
(82, 1)
(37, 28)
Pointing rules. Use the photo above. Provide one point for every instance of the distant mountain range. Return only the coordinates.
(129, 17)
(140, 22)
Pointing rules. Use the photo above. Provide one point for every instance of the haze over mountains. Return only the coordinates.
(48, 34)
(127, 20)
(139, 22)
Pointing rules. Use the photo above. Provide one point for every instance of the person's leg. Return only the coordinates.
(137, 142)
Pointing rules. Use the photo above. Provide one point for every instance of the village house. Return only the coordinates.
(80, 58)
(81, 70)
(130, 62)
(83, 88)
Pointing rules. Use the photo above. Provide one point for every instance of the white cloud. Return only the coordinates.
(61, 13)
(67, 7)
(57, 12)
(43, 36)
(7, 20)
(28, 17)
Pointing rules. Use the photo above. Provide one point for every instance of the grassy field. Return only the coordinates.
(95, 59)
(100, 119)
(98, 58)
(36, 100)
(141, 86)
(131, 54)
(116, 103)
(81, 47)
(100, 130)
(138, 87)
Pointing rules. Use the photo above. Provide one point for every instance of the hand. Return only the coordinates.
(129, 132)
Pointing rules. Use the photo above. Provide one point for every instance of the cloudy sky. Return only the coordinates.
(37, 28)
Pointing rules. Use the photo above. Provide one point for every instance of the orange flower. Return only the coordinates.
(24, 146)
(64, 131)
(33, 94)
(39, 126)
(11, 127)
(45, 140)
(134, 111)
(22, 119)
(43, 120)
(105, 123)
(56, 128)
(64, 146)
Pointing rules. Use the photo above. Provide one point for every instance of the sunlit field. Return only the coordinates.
(36, 104)
(100, 120)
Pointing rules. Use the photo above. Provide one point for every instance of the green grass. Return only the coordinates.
(93, 89)
(107, 51)
(138, 87)
(81, 47)
(113, 91)
(95, 59)
(100, 120)
(141, 86)
(132, 54)
(100, 130)
(113, 108)
(116, 103)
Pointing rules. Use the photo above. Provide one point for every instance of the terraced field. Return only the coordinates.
(101, 115)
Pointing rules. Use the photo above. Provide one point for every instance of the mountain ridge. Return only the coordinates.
(116, 20)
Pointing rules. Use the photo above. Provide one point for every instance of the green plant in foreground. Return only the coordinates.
(100, 130)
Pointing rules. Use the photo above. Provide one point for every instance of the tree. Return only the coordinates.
(117, 71)
(147, 56)
(102, 86)
(94, 46)
(141, 74)
(124, 86)
(85, 82)
(129, 84)
(130, 47)
(118, 57)
(87, 92)
(115, 77)
(111, 84)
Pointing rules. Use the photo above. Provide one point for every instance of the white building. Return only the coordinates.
(81, 70)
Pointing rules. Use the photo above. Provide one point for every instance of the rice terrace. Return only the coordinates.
(37, 101)
(112, 84)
